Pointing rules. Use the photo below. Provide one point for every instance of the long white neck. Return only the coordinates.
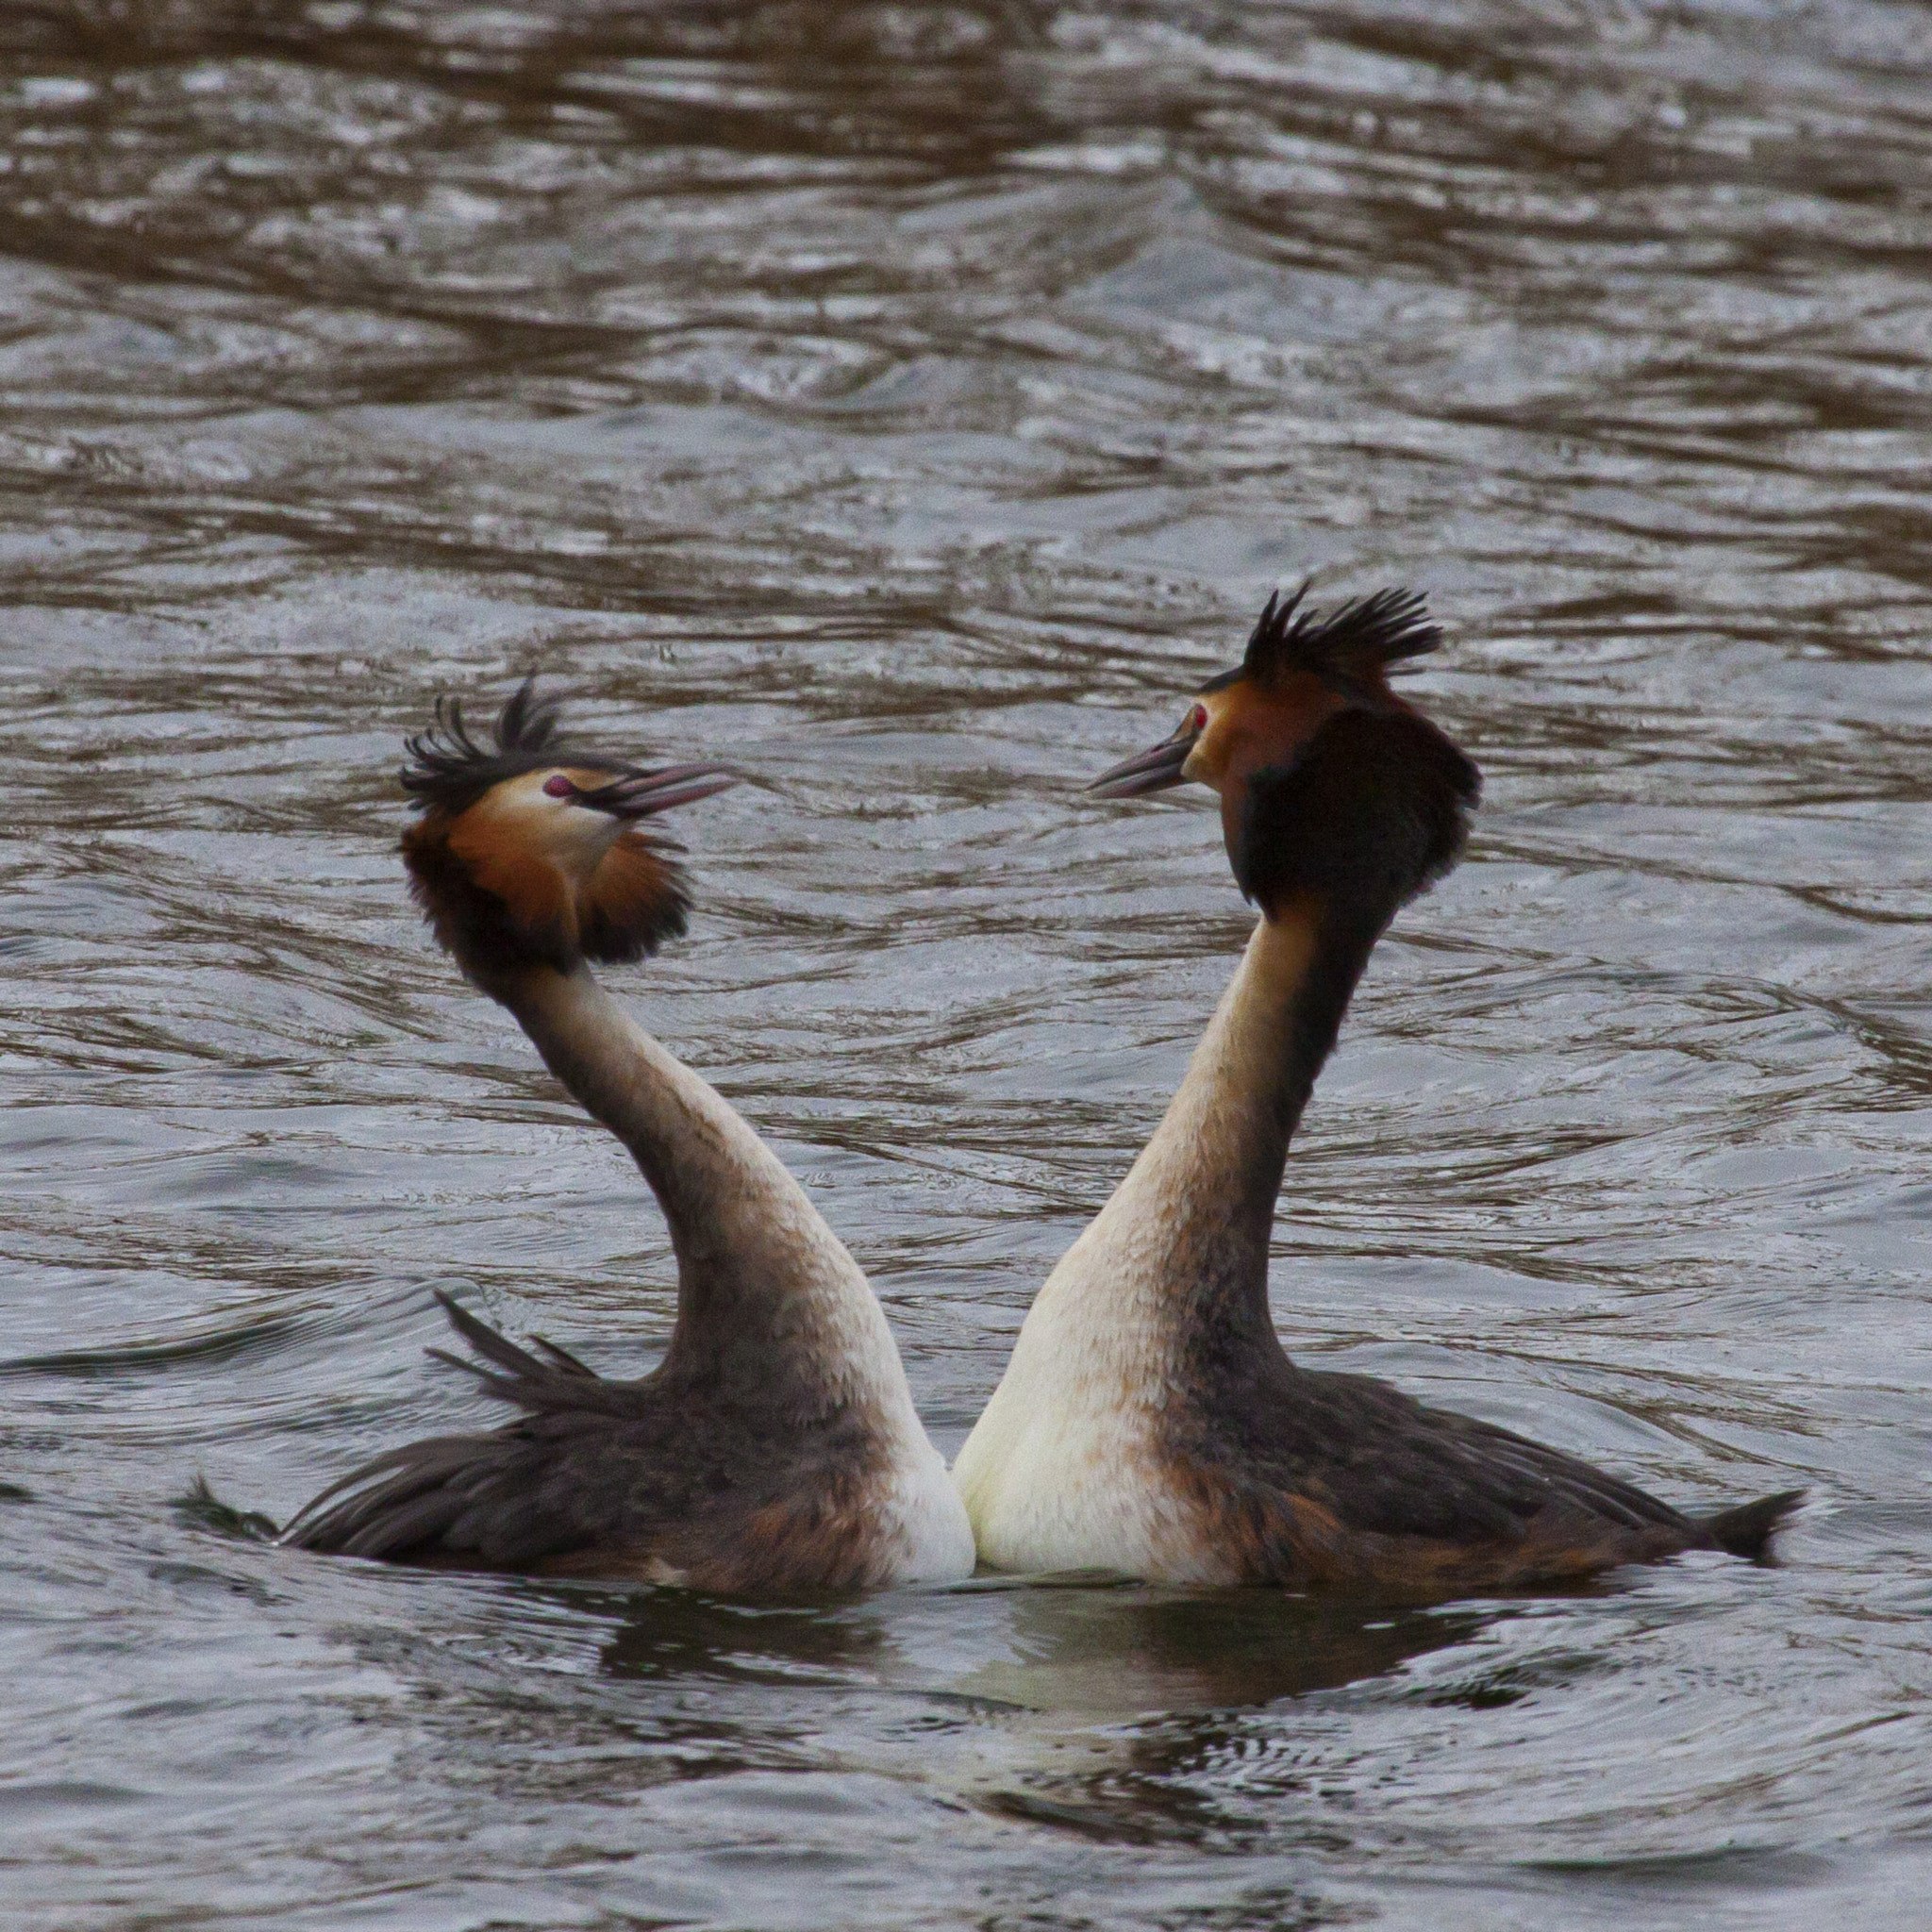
(1191, 1220)
(1162, 1304)
(766, 1293)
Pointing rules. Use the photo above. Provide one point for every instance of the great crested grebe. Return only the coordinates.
(775, 1449)
(1149, 1420)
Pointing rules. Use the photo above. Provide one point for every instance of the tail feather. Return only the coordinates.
(1746, 1530)
(358, 1515)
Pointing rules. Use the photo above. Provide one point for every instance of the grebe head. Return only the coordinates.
(1328, 782)
(530, 855)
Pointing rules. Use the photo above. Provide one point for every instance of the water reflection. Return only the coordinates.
(670, 1636)
(1104, 1709)
(1094, 1650)
(1128, 1650)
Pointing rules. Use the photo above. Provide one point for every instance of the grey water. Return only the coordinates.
(911, 402)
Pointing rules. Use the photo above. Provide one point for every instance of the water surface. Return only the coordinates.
(911, 404)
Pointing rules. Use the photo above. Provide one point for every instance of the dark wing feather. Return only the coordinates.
(618, 1476)
(528, 1380)
(591, 1461)
(1386, 1465)
(1344, 1477)
(1746, 1529)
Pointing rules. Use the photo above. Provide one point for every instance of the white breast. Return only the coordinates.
(923, 1521)
(1067, 1469)
(1064, 1471)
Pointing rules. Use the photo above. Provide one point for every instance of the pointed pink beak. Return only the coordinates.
(645, 793)
(1158, 769)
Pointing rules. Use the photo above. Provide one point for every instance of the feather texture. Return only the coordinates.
(659, 1480)
(1349, 649)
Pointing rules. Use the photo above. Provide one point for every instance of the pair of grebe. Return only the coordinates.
(1149, 1422)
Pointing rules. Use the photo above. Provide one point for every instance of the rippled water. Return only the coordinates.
(909, 403)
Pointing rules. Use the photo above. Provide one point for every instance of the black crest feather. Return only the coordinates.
(452, 770)
(1348, 648)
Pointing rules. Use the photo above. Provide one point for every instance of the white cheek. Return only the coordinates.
(1206, 763)
(571, 835)
(1208, 759)
(581, 834)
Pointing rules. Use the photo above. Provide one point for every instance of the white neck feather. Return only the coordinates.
(756, 1265)
(1058, 1472)
(1193, 1178)
(769, 1303)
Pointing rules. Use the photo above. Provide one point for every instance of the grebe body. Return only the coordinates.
(1149, 1420)
(775, 1449)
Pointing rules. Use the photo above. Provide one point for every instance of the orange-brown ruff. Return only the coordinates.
(496, 896)
(774, 1450)
(1150, 1421)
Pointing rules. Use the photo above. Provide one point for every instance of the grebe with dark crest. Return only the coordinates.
(774, 1450)
(1149, 1420)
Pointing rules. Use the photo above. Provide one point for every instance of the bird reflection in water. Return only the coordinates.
(1088, 1704)
(1117, 1701)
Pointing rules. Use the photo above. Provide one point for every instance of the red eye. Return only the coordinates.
(1197, 719)
(557, 787)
